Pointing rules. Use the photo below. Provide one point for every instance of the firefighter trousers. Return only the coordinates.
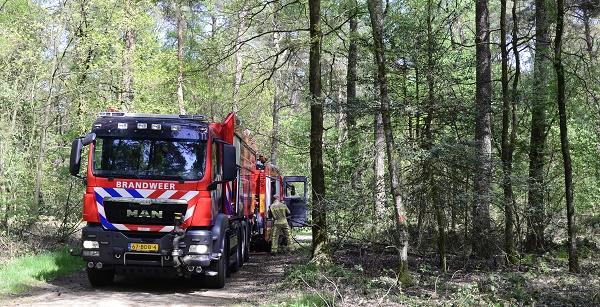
(280, 229)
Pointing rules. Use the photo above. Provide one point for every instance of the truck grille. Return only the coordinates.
(142, 214)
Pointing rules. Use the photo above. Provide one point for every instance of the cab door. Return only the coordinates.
(296, 199)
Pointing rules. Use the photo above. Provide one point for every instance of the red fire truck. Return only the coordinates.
(175, 195)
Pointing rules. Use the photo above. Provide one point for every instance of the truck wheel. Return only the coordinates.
(243, 243)
(238, 257)
(219, 266)
(246, 245)
(100, 278)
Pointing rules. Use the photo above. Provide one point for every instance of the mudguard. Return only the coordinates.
(219, 230)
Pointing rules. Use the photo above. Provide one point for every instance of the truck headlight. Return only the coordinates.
(91, 244)
(198, 249)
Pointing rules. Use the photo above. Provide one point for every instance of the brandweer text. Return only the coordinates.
(146, 185)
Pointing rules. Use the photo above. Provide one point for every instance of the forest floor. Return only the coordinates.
(537, 280)
(358, 276)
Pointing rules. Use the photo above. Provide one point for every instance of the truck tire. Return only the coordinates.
(231, 267)
(100, 278)
(219, 266)
(246, 249)
(238, 257)
(243, 244)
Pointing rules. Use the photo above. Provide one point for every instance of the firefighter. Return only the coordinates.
(261, 163)
(279, 211)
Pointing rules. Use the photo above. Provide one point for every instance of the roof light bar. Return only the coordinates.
(197, 117)
(192, 116)
(105, 114)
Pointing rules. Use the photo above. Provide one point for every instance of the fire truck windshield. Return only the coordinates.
(149, 158)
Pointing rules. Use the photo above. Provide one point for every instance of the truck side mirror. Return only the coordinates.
(75, 162)
(229, 163)
(76, 147)
(88, 139)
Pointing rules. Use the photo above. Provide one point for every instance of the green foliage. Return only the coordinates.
(562, 253)
(304, 273)
(517, 285)
(18, 275)
(307, 300)
(467, 295)
(310, 273)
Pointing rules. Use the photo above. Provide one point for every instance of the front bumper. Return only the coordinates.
(113, 248)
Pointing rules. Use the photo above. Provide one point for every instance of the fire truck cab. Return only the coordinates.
(158, 197)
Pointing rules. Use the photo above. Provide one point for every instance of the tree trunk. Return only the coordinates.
(239, 59)
(589, 41)
(320, 244)
(213, 96)
(128, 56)
(509, 245)
(536, 212)
(428, 168)
(376, 14)
(422, 204)
(466, 228)
(564, 139)
(351, 103)
(275, 131)
(276, 89)
(515, 100)
(441, 223)
(340, 125)
(483, 136)
(180, 42)
(379, 170)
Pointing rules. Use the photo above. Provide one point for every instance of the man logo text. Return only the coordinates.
(145, 213)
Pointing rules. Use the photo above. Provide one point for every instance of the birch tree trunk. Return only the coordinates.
(239, 59)
(128, 56)
(180, 43)
(277, 81)
(379, 168)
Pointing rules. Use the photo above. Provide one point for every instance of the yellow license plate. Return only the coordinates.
(143, 247)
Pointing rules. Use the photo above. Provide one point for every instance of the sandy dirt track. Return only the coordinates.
(252, 285)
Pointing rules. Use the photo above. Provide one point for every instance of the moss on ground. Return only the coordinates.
(19, 274)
